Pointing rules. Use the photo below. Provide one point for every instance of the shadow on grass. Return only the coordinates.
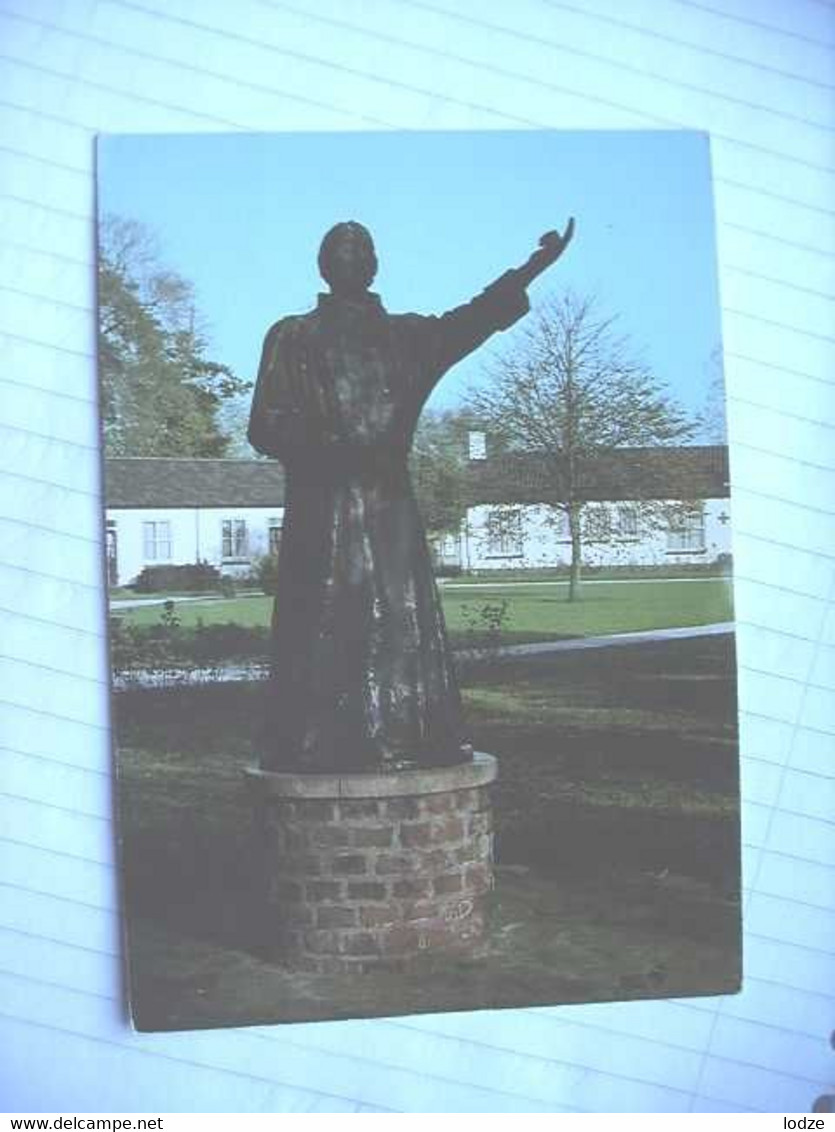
(617, 844)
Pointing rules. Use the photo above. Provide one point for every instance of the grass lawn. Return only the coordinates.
(617, 845)
(536, 611)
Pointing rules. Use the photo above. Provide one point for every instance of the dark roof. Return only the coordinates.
(158, 481)
(625, 473)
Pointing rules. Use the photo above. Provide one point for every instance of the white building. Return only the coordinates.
(162, 511)
(646, 507)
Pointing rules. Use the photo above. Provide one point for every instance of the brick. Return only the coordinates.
(471, 799)
(376, 837)
(390, 964)
(433, 933)
(358, 809)
(481, 822)
(315, 809)
(337, 965)
(456, 911)
(438, 803)
(419, 910)
(299, 915)
(360, 943)
(469, 930)
(399, 939)
(416, 833)
(366, 890)
(320, 964)
(401, 809)
(321, 942)
(433, 861)
(318, 836)
(450, 828)
(469, 853)
(378, 915)
(412, 888)
(388, 864)
(318, 890)
(291, 840)
(478, 878)
(336, 916)
(354, 864)
(448, 883)
(369, 884)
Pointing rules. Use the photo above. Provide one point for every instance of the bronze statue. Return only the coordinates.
(362, 677)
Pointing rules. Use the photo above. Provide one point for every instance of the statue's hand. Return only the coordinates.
(552, 244)
(551, 247)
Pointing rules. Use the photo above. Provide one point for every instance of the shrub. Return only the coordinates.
(484, 625)
(196, 576)
(266, 571)
(227, 586)
(167, 653)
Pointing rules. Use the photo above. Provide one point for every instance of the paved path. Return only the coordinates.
(139, 602)
(578, 644)
(238, 672)
(445, 584)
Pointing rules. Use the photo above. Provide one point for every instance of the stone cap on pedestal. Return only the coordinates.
(391, 784)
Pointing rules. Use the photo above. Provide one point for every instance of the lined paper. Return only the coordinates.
(759, 76)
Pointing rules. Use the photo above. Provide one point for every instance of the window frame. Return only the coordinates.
(156, 535)
(509, 542)
(237, 540)
(687, 534)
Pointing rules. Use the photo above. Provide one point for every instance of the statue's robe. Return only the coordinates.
(362, 676)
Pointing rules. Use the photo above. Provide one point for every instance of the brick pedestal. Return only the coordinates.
(367, 871)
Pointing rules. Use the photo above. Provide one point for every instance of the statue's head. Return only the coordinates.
(347, 260)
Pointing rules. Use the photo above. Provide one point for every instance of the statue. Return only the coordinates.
(362, 677)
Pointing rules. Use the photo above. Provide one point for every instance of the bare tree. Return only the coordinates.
(712, 420)
(571, 390)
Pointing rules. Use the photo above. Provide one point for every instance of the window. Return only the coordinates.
(626, 521)
(556, 520)
(686, 533)
(235, 540)
(156, 541)
(273, 534)
(504, 533)
(597, 523)
(477, 445)
(112, 547)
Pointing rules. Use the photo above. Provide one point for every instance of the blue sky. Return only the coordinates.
(242, 216)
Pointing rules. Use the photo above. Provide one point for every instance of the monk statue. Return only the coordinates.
(362, 675)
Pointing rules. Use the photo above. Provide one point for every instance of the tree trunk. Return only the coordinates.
(574, 583)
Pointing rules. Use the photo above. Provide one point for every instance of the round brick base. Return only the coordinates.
(369, 871)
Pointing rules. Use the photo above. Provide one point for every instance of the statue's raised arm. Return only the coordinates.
(502, 303)
(551, 246)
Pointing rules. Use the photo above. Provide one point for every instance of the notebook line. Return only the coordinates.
(748, 22)
(475, 64)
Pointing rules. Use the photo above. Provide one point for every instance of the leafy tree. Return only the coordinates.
(438, 466)
(570, 390)
(160, 391)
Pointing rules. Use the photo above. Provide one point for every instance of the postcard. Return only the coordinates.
(418, 553)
